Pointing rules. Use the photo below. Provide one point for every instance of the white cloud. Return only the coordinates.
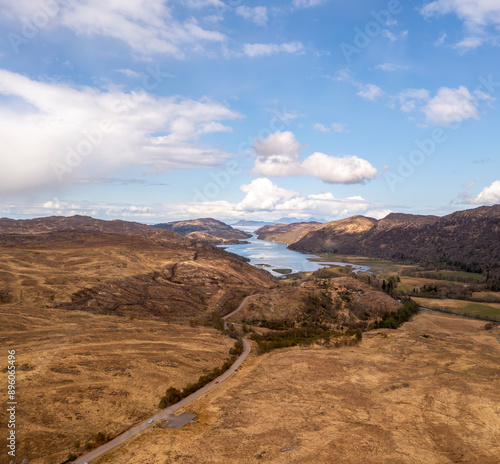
(263, 196)
(390, 67)
(488, 196)
(204, 3)
(394, 37)
(344, 76)
(286, 115)
(84, 132)
(448, 106)
(129, 73)
(476, 14)
(335, 127)
(471, 42)
(257, 15)
(56, 207)
(263, 49)
(307, 3)
(379, 214)
(453, 105)
(333, 169)
(390, 35)
(441, 40)
(146, 26)
(370, 92)
(278, 155)
(411, 99)
(263, 200)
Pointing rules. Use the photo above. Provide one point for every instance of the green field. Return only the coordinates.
(469, 308)
(453, 276)
(377, 266)
(387, 267)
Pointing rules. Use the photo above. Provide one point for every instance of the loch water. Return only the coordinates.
(271, 256)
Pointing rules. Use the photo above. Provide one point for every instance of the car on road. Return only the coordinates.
(216, 381)
(150, 421)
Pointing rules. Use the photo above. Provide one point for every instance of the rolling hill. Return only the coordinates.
(206, 230)
(468, 240)
(286, 233)
(118, 267)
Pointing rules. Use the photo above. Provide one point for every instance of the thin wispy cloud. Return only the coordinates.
(147, 27)
(370, 92)
(333, 128)
(390, 67)
(257, 15)
(267, 49)
(477, 17)
(308, 3)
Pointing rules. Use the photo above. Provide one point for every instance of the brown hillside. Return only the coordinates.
(140, 271)
(337, 235)
(79, 224)
(343, 303)
(79, 374)
(286, 233)
(425, 393)
(206, 229)
(468, 240)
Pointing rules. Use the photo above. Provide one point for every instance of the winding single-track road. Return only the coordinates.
(166, 413)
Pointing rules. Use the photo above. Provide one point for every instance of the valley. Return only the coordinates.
(425, 393)
(244, 232)
(83, 378)
(107, 315)
(465, 240)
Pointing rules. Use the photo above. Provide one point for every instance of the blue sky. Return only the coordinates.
(160, 110)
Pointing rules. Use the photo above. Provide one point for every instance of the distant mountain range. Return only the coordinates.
(245, 223)
(283, 220)
(79, 224)
(292, 220)
(468, 240)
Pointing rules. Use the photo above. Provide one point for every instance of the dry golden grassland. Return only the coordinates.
(79, 373)
(427, 393)
(51, 271)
